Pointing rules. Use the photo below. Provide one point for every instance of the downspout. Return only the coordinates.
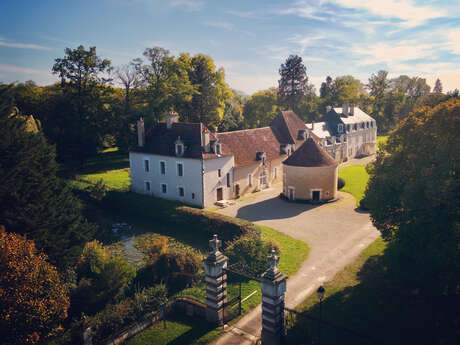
(202, 183)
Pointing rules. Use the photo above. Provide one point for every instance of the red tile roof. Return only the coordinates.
(310, 154)
(245, 144)
(286, 127)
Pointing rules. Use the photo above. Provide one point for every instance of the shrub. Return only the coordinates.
(98, 190)
(176, 267)
(340, 183)
(251, 251)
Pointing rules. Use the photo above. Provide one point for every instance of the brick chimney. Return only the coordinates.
(171, 118)
(345, 109)
(352, 110)
(140, 132)
(205, 140)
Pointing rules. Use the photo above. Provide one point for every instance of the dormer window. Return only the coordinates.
(179, 147)
(218, 148)
(340, 128)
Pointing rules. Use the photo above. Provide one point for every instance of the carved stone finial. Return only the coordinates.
(273, 260)
(215, 244)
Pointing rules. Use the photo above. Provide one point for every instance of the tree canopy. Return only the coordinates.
(34, 201)
(293, 84)
(413, 198)
(33, 300)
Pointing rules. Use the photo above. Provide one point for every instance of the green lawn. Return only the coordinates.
(356, 178)
(179, 330)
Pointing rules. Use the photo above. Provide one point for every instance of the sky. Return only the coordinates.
(249, 39)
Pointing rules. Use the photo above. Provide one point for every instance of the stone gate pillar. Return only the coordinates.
(273, 289)
(216, 282)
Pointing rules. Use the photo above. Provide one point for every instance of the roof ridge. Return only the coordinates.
(243, 130)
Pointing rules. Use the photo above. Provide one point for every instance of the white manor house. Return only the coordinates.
(189, 163)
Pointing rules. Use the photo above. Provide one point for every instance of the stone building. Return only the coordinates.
(310, 174)
(346, 132)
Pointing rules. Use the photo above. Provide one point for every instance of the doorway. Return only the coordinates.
(237, 190)
(220, 194)
(316, 194)
(291, 193)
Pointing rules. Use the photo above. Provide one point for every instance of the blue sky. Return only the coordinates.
(249, 39)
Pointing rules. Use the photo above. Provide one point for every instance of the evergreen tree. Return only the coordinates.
(293, 85)
(34, 201)
(437, 86)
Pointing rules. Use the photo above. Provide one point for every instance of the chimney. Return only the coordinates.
(140, 132)
(328, 108)
(171, 118)
(205, 140)
(345, 109)
(352, 110)
(312, 126)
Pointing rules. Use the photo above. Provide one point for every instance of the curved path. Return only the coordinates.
(336, 232)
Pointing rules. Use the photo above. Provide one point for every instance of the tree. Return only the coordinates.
(102, 277)
(33, 300)
(293, 84)
(34, 201)
(413, 198)
(261, 108)
(83, 76)
(437, 86)
(326, 88)
(211, 92)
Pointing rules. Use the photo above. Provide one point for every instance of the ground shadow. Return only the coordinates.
(274, 208)
(199, 328)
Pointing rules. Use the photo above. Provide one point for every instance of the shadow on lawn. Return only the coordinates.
(106, 161)
(274, 208)
(378, 312)
(199, 328)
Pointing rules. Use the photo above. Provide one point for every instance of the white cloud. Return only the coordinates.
(305, 41)
(450, 79)
(190, 5)
(13, 73)
(406, 10)
(251, 83)
(3, 43)
(302, 9)
(392, 53)
(220, 25)
(453, 41)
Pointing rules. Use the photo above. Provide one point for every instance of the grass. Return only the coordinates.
(356, 178)
(179, 330)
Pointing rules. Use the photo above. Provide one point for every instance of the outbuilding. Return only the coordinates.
(310, 174)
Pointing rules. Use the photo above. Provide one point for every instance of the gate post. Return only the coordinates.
(273, 289)
(216, 282)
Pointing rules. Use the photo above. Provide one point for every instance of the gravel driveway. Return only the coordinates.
(336, 232)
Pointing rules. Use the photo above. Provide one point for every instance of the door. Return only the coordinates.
(316, 195)
(220, 194)
(237, 190)
(291, 192)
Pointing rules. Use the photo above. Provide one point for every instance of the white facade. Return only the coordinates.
(218, 178)
(192, 181)
(167, 183)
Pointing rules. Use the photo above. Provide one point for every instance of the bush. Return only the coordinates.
(251, 251)
(97, 191)
(115, 317)
(340, 183)
(178, 268)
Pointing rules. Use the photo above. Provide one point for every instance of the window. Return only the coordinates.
(367, 124)
(164, 188)
(250, 180)
(218, 149)
(348, 128)
(146, 165)
(179, 149)
(193, 195)
(147, 186)
(276, 173)
(228, 179)
(180, 191)
(180, 169)
(355, 126)
(162, 168)
(219, 172)
(340, 128)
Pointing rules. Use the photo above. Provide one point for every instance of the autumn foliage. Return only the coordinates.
(33, 300)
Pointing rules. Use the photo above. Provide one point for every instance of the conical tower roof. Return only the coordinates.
(310, 154)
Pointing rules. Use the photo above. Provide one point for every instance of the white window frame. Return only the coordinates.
(161, 188)
(145, 186)
(177, 169)
(159, 167)
(146, 159)
(177, 150)
(316, 190)
(178, 191)
(250, 180)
